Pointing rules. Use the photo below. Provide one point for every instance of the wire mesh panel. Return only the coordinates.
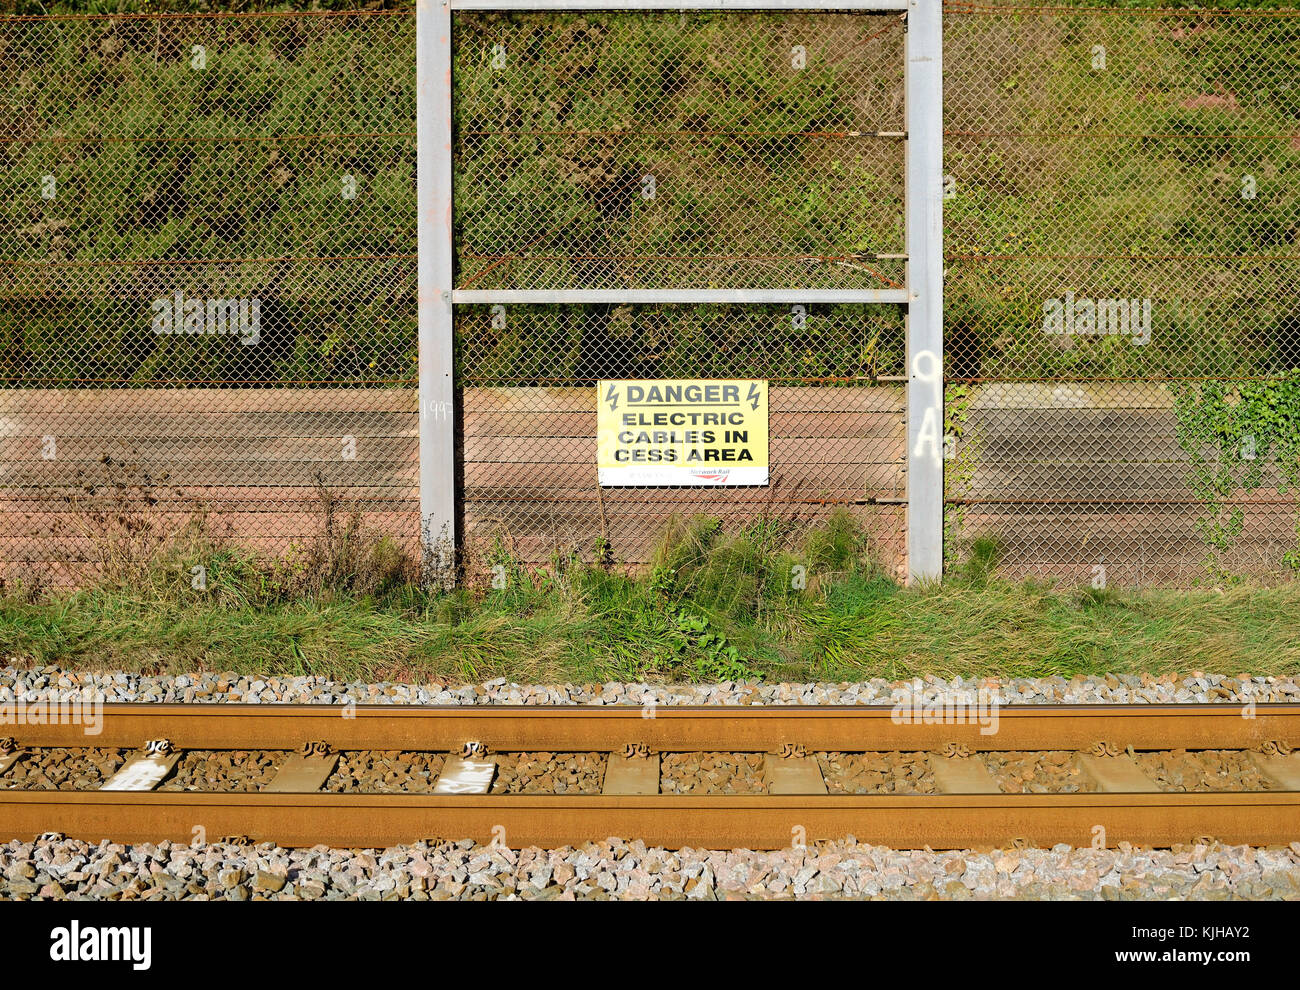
(530, 422)
(682, 151)
(656, 149)
(207, 268)
(207, 277)
(1123, 323)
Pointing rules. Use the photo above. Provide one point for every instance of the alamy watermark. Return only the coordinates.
(922, 705)
(97, 943)
(1099, 317)
(237, 317)
(84, 708)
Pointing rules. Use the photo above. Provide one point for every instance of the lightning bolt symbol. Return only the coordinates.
(753, 396)
(612, 397)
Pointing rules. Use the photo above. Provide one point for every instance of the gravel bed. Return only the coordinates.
(549, 773)
(390, 772)
(877, 773)
(64, 770)
(1048, 772)
(614, 869)
(31, 682)
(711, 773)
(223, 770)
(1204, 770)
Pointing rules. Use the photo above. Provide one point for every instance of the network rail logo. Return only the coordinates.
(922, 705)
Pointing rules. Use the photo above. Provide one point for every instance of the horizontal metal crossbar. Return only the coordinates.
(883, 6)
(685, 296)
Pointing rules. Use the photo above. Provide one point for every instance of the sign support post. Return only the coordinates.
(433, 203)
(923, 95)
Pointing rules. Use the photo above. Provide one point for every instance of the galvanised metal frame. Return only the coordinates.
(923, 297)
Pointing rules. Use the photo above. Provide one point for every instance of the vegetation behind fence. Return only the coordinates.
(1094, 155)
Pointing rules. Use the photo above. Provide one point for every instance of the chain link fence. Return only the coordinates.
(1122, 319)
(207, 279)
(676, 150)
(207, 282)
(692, 149)
(529, 397)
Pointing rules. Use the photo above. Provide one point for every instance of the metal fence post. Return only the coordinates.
(437, 395)
(925, 432)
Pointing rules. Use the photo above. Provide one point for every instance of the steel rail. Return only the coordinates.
(589, 728)
(757, 821)
(674, 821)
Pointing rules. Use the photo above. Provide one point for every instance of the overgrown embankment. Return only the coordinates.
(714, 607)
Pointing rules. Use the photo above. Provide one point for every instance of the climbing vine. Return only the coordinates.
(1232, 432)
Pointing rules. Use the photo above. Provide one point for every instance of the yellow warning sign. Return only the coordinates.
(682, 432)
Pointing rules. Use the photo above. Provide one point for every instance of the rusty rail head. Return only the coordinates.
(663, 728)
(674, 821)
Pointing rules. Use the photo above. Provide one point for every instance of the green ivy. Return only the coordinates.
(1231, 432)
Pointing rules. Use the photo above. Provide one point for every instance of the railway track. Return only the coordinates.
(795, 758)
